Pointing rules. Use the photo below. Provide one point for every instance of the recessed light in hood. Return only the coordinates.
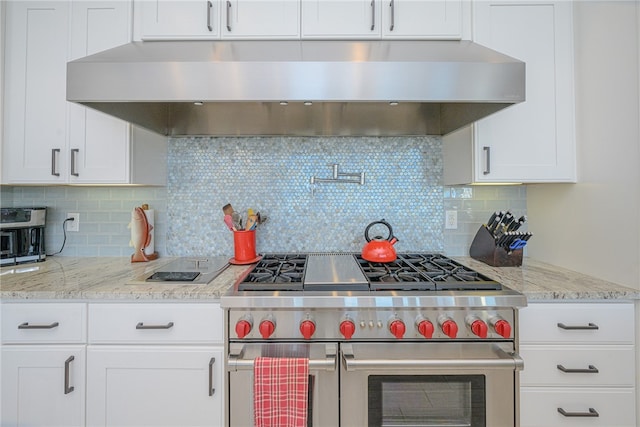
(328, 87)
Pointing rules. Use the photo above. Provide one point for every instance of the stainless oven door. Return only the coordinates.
(323, 380)
(429, 384)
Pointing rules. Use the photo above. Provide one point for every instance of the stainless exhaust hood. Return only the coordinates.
(297, 87)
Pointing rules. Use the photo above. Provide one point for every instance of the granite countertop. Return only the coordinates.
(87, 278)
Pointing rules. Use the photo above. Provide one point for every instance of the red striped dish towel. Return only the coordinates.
(280, 391)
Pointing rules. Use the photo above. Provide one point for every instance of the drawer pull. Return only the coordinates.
(143, 326)
(592, 413)
(67, 388)
(26, 325)
(590, 370)
(590, 326)
(211, 389)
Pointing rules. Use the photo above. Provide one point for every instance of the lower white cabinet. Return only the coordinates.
(579, 365)
(43, 364)
(119, 364)
(43, 385)
(155, 365)
(154, 385)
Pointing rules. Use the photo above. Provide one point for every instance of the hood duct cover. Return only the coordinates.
(306, 87)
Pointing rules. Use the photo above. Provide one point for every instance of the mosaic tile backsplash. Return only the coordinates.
(403, 184)
(272, 175)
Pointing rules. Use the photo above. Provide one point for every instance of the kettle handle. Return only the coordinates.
(383, 222)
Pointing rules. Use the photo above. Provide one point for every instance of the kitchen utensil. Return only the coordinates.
(379, 249)
(252, 221)
(229, 221)
(237, 220)
(227, 209)
(244, 247)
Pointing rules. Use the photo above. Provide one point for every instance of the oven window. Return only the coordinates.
(427, 400)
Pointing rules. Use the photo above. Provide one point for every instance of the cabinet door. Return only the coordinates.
(532, 141)
(433, 19)
(154, 386)
(43, 385)
(35, 122)
(341, 19)
(260, 19)
(171, 19)
(99, 144)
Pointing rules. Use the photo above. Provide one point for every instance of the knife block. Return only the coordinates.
(483, 248)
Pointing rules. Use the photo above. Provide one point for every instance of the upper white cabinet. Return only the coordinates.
(371, 19)
(161, 19)
(48, 140)
(246, 19)
(533, 141)
(411, 19)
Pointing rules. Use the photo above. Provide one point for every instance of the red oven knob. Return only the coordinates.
(307, 329)
(450, 328)
(479, 328)
(425, 328)
(503, 328)
(243, 327)
(266, 328)
(397, 328)
(347, 328)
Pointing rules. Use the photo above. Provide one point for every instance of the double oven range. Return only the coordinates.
(422, 341)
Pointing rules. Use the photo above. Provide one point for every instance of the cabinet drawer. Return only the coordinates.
(605, 365)
(539, 407)
(155, 323)
(44, 323)
(605, 323)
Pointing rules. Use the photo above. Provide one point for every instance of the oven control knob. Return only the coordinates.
(450, 328)
(307, 329)
(397, 328)
(347, 328)
(266, 328)
(425, 328)
(503, 328)
(479, 328)
(243, 327)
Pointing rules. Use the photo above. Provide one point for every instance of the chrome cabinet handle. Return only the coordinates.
(373, 14)
(228, 16)
(67, 388)
(74, 161)
(209, 7)
(211, 389)
(487, 157)
(393, 18)
(26, 325)
(143, 326)
(590, 370)
(54, 169)
(589, 326)
(592, 413)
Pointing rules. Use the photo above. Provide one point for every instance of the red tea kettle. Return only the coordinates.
(379, 249)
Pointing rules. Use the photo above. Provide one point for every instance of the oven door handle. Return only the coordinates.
(505, 360)
(235, 362)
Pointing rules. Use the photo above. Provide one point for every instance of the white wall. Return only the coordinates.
(594, 226)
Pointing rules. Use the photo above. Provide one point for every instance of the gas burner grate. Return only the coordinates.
(276, 272)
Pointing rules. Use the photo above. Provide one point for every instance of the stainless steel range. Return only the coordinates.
(422, 341)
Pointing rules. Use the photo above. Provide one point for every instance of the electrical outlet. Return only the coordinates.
(451, 220)
(75, 224)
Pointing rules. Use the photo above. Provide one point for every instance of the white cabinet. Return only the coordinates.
(579, 365)
(339, 19)
(171, 19)
(533, 141)
(411, 19)
(247, 19)
(373, 19)
(47, 139)
(155, 365)
(43, 364)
